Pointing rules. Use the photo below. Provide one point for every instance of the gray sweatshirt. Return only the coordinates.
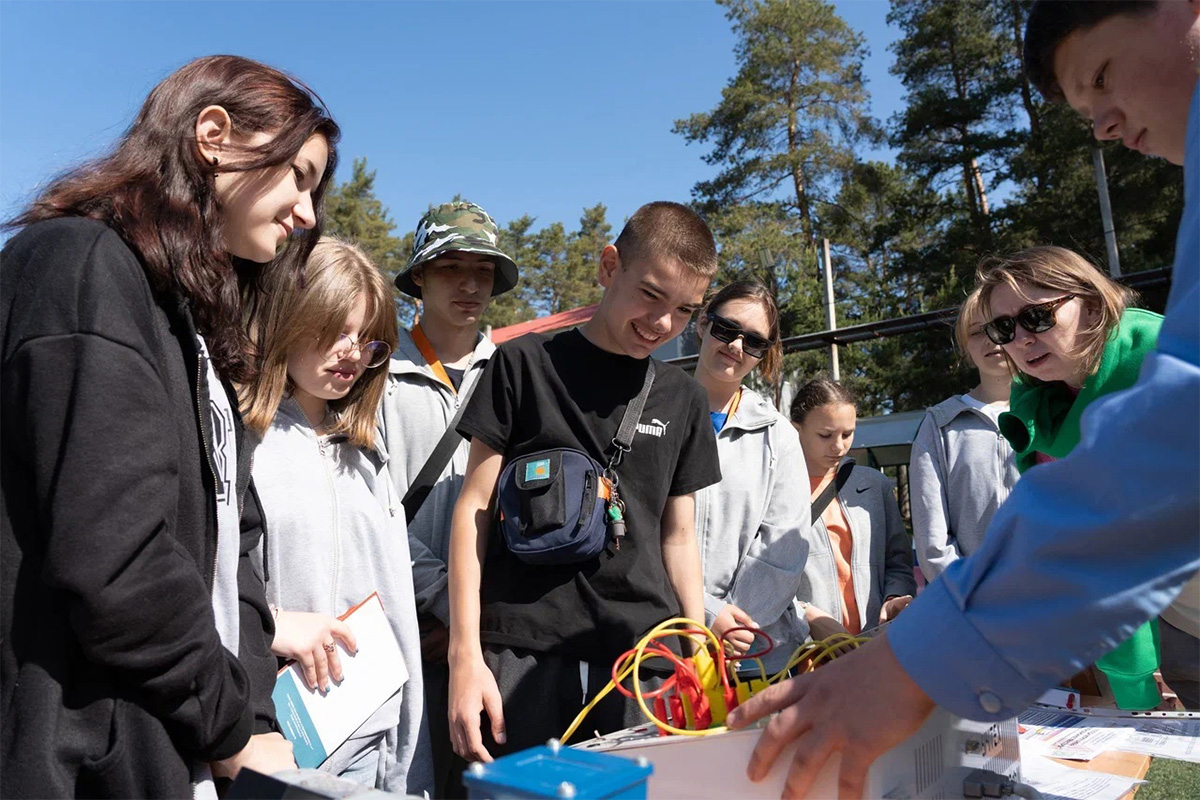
(416, 410)
(960, 471)
(880, 554)
(751, 525)
(337, 534)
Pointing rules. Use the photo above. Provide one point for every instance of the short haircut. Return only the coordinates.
(820, 391)
(667, 230)
(309, 308)
(1060, 270)
(753, 291)
(1052, 21)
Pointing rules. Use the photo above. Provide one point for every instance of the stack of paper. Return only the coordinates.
(1086, 733)
(1056, 782)
(1060, 735)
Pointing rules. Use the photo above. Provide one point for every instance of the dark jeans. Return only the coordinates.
(1179, 659)
(542, 693)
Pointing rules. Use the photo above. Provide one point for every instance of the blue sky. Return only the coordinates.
(524, 107)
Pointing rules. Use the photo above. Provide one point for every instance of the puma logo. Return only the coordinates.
(654, 427)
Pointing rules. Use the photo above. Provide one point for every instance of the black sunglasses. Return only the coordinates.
(725, 331)
(1036, 318)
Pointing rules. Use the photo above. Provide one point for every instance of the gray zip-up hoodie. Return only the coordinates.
(337, 534)
(960, 471)
(751, 525)
(880, 553)
(416, 410)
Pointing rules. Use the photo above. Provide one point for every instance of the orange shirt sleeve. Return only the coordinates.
(841, 543)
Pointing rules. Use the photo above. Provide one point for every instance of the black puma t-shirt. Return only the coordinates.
(540, 392)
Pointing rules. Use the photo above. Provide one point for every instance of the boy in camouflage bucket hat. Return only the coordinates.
(455, 270)
(462, 227)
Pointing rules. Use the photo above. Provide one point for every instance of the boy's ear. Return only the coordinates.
(610, 262)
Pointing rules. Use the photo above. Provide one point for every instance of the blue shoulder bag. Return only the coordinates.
(561, 506)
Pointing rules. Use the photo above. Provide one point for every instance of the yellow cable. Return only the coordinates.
(816, 651)
(637, 684)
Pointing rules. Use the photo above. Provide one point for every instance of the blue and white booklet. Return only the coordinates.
(317, 724)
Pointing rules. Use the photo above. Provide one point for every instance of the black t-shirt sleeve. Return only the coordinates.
(698, 464)
(490, 412)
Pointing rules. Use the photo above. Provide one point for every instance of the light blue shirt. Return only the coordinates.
(1089, 547)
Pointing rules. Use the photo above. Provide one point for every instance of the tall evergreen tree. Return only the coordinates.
(789, 120)
(954, 130)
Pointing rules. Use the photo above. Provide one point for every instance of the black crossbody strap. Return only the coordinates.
(623, 441)
(835, 486)
(427, 478)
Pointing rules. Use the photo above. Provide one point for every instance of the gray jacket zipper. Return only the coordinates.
(322, 446)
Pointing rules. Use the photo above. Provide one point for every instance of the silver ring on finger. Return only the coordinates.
(330, 647)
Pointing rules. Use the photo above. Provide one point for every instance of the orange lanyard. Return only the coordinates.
(733, 406)
(430, 357)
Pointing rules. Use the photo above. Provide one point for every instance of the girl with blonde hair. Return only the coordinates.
(337, 534)
(961, 469)
(1070, 336)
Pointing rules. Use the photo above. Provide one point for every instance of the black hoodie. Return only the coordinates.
(114, 678)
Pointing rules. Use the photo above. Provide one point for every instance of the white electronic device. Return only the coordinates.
(932, 763)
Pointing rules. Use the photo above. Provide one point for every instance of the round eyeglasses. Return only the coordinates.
(370, 354)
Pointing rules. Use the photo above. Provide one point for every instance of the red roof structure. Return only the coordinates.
(571, 318)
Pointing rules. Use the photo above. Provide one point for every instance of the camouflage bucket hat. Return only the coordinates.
(462, 227)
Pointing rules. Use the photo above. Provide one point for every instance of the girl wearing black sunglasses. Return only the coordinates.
(1071, 338)
(750, 526)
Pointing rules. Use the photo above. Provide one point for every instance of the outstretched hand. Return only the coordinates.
(732, 617)
(893, 606)
(861, 705)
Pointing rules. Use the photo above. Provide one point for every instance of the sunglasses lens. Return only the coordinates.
(755, 346)
(1000, 330)
(722, 330)
(1037, 319)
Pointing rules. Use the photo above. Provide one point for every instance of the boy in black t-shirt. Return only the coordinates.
(530, 645)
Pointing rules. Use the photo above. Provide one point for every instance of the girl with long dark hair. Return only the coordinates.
(134, 647)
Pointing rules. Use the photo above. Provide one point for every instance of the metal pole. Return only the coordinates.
(1106, 215)
(830, 315)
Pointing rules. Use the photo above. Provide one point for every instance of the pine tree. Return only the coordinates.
(954, 130)
(788, 122)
